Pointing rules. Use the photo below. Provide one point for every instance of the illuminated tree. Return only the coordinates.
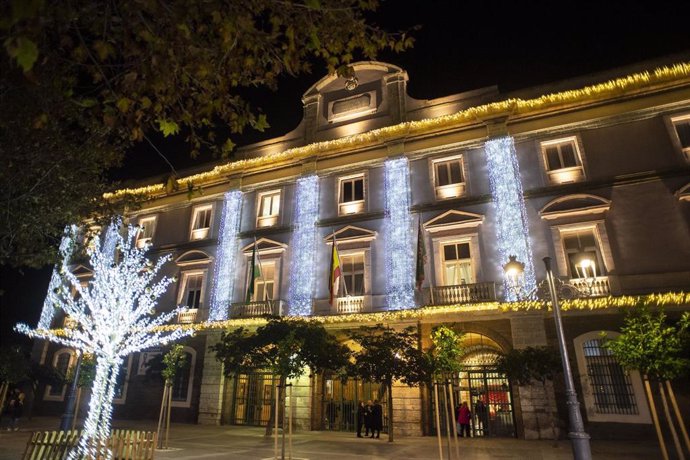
(659, 351)
(115, 315)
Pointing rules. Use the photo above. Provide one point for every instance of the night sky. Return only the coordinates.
(461, 46)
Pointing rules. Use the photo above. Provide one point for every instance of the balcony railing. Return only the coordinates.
(462, 293)
(250, 309)
(350, 304)
(190, 316)
(594, 287)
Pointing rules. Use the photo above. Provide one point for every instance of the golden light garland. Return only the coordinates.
(607, 90)
(597, 303)
(588, 303)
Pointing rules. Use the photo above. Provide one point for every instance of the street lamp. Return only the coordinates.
(578, 437)
(514, 271)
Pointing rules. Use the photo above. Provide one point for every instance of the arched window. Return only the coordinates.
(610, 393)
(184, 380)
(63, 360)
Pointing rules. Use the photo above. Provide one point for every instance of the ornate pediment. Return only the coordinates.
(351, 234)
(193, 257)
(81, 271)
(265, 246)
(575, 205)
(453, 219)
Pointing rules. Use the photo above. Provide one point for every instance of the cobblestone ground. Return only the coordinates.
(213, 442)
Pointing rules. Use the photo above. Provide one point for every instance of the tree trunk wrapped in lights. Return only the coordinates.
(115, 316)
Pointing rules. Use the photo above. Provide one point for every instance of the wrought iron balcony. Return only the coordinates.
(462, 293)
(259, 308)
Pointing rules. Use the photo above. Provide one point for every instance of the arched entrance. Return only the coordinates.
(486, 391)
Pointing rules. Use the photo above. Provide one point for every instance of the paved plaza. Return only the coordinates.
(248, 443)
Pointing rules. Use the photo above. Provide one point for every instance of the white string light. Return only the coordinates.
(398, 235)
(512, 231)
(304, 246)
(114, 316)
(224, 272)
(50, 302)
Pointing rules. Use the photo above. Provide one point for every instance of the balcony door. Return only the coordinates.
(457, 264)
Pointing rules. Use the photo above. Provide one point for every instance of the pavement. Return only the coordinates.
(188, 442)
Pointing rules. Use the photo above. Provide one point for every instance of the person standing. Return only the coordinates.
(464, 417)
(376, 419)
(361, 418)
(16, 406)
(482, 419)
(368, 419)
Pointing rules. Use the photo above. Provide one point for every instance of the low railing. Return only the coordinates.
(462, 293)
(250, 309)
(189, 316)
(349, 304)
(593, 287)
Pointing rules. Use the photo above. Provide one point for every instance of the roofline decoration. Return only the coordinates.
(667, 75)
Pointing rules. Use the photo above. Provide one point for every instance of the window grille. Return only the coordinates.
(611, 385)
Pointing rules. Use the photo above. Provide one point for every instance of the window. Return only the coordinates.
(182, 384)
(192, 292)
(147, 228)
(264, 285)
(201, 222)
(269, 209)
(562, 160)
(352, 266)
(457, 264)
(581, 244)
(610, 393)
(63, 360)
(611, 386)
(351, 194)
(449, 180)
(682, 128)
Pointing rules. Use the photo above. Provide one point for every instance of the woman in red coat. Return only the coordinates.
(464, 417)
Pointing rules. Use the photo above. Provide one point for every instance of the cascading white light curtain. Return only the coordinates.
(512, 231)
(304, 245)
(226, 258)
(400, 251)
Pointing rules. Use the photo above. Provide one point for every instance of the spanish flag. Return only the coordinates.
(334, 273)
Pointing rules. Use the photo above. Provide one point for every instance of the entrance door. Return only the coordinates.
(340, 401)
(251, 400)
(488, 394)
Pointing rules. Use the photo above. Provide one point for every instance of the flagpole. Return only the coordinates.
(420, 235)
(261, 269)
(335, 244)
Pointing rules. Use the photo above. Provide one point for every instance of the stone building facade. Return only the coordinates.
(595, 168)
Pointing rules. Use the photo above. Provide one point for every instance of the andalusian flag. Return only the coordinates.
(334, 272)
(254, 273)
(421, 256)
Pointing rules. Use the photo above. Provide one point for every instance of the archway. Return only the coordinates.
(486, 391)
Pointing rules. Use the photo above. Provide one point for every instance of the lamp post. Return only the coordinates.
(578, 437)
